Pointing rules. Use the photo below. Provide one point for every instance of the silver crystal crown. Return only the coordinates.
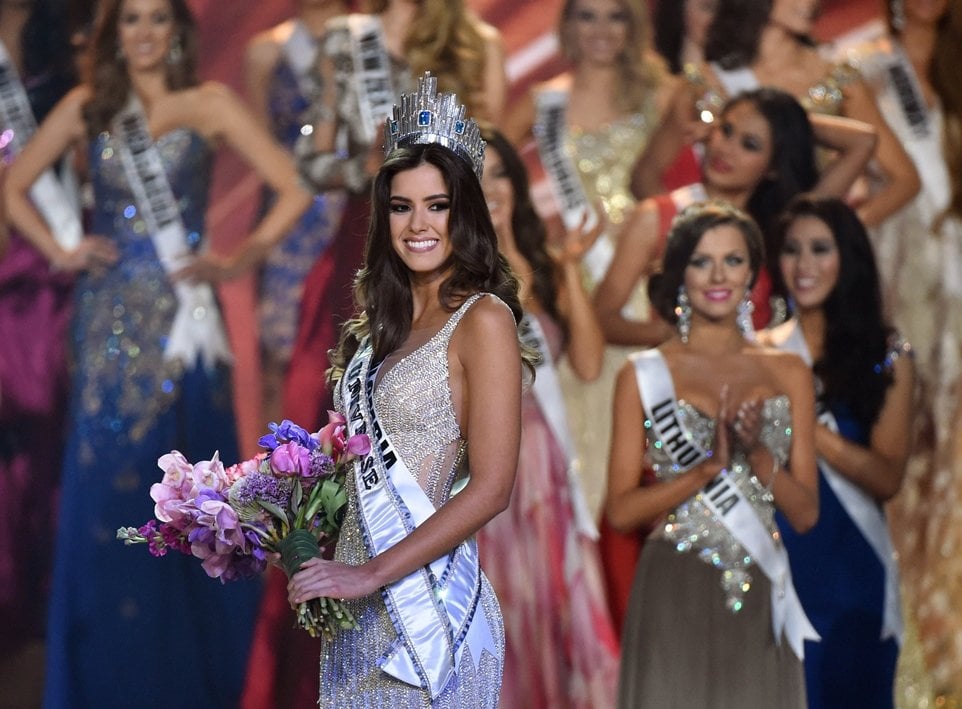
(427, 116)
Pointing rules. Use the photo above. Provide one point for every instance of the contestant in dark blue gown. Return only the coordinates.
(126, 629)
(841, 583)
(844, 568)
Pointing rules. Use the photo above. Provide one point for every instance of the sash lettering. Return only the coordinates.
(197, 330)
(550, 129)
(372, 73)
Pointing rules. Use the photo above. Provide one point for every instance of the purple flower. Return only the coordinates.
(257, 486)
(322, 465)
(284, 432)
(291, 459)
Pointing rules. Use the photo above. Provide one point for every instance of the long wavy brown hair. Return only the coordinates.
(445, 39)
(944, 74)
(108, 77)
(382, 289)
(642, 70)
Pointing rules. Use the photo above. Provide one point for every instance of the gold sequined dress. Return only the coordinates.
(699, 629)
(412, 401)
(604, 158)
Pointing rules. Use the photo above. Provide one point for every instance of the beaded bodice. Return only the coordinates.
(824, 96)
(413, 403)
(692, 527)
(605, 156)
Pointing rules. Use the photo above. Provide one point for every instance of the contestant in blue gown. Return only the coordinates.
(844, 568)
(126, 629)
(289, 94)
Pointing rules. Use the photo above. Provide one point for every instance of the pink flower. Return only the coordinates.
(291, 459)
(359, 444)
(210, 474)
(331, 437)
(176, 467)
(244, 468)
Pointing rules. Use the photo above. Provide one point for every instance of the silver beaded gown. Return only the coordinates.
(698, 631)
(413, 403)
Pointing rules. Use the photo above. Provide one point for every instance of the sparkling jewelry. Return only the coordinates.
(744, 318)
(175, 53)
(683, 313)
(427, 116)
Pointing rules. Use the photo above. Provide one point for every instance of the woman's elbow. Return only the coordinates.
(805, 519)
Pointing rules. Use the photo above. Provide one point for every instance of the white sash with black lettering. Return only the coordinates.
(861, 508)
(725, 500)
(57, 208)
(435, 610)
(197, 330)
(904, 85)
(372, 73)
(550, 128)
(547, 391)
(300, 53)
(735, 81)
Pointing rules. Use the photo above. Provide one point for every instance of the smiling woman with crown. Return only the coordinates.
(431, 365)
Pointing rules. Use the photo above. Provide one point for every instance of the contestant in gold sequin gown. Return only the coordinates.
(614, 96)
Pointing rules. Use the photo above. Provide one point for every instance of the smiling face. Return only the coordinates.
(419, 209)
(598, 31)
(718, 272)
(810, 262)
(145, 33)
(739, 150)
(498, 190)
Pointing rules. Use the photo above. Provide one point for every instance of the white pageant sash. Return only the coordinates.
(735, 81)
(549, 129)
(197, 330)
(435, 610)
(58, 209)
(904, 84)
(372, 73)
(724, 499)
(300, 53)
(547, 391)
(860, 507)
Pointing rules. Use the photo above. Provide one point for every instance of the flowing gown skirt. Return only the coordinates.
(683, 648)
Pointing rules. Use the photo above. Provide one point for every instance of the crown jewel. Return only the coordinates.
(429, 117)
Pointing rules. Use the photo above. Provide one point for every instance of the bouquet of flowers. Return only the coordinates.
(288, 500)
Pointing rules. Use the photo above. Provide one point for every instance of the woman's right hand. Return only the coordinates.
(91, 253)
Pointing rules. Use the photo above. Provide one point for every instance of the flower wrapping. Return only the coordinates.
(288, 500)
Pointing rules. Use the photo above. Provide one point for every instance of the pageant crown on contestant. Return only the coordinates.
(431, 117)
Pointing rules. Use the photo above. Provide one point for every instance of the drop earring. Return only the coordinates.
(683, 313)
(744, 317)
